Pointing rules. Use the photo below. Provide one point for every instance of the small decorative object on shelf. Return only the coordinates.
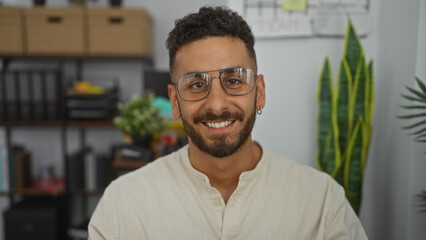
(95, 98)
(139, 118)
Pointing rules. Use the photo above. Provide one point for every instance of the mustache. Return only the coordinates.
(210, 116)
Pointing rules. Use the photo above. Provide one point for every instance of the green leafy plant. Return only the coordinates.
(418, 128)
(344, 118)
(138, 117)
(419, 103)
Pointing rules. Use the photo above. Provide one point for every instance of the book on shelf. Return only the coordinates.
(13, 151)
(23, 177)
(75, 171)
(25, 98)
(105, 173)
(16, 168)
(90, 171)
(4, 172)
(2, 98)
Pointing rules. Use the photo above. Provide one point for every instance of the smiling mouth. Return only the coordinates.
(218, 124)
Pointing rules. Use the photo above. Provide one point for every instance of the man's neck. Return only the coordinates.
(224, 173)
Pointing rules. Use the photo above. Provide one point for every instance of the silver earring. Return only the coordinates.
(259, 111)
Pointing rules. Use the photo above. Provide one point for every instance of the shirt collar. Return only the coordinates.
(245, 176)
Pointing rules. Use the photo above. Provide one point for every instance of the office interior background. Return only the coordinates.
(396, 41)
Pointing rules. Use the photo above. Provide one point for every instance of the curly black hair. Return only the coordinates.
(209, 22)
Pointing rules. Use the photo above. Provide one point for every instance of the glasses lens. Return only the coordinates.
(238, 81)
(194, 86)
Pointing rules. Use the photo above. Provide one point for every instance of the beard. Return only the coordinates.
(220, 145)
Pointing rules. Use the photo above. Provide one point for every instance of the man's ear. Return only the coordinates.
(260, 88)
(174, 100)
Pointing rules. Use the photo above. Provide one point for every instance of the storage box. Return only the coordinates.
(11, 32)
(119, 32)
(55, 31)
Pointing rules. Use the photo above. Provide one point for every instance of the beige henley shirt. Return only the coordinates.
(279, 199)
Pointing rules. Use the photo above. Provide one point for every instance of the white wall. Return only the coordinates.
(291, 67)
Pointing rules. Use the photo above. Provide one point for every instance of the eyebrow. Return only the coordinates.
(216, 70)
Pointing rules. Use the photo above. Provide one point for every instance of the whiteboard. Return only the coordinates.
(320, 18)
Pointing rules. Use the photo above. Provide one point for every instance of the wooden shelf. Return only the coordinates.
(90, 124)
(127, 164)
(59, 124)
(75, 56)
(85, 192)
(30, 192)
(145, 59)
(31, 124)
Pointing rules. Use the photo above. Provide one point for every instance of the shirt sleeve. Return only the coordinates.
(103, 223)
(341, 221)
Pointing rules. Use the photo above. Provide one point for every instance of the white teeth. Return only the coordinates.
(219, 125)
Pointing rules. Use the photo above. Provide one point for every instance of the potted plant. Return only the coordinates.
(344, 118)
(418, 128)
(139, 119)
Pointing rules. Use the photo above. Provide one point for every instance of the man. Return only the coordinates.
(222, 185)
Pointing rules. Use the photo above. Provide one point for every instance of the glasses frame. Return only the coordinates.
(221, 71)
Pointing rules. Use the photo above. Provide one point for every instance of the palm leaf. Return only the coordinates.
(413, 98)
(418, 132)
(415, 125)
(421, 198)
(420, 138)
(421, 85)
(417, 93)
(413, 107)
(412, 116)
(417, 96)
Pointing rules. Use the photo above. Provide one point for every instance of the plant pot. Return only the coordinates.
(142, 141)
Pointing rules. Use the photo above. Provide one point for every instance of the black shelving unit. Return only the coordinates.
(60, 122)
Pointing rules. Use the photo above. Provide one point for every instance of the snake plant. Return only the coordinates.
(418, 128)
(344, 118)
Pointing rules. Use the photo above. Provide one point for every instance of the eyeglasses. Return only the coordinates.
(196, 86)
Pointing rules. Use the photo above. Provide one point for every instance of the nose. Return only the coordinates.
(217, 100)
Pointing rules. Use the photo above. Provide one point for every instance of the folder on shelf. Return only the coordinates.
(23, 177)
(90, 171)
(4, 186)
(19, 168)
(11, 95)
(75, 171)
(25, 94)
(2, 97)
(105, 173)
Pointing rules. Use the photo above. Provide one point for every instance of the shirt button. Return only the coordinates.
(217, 203)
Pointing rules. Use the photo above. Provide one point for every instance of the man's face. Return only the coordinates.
(220, 123)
